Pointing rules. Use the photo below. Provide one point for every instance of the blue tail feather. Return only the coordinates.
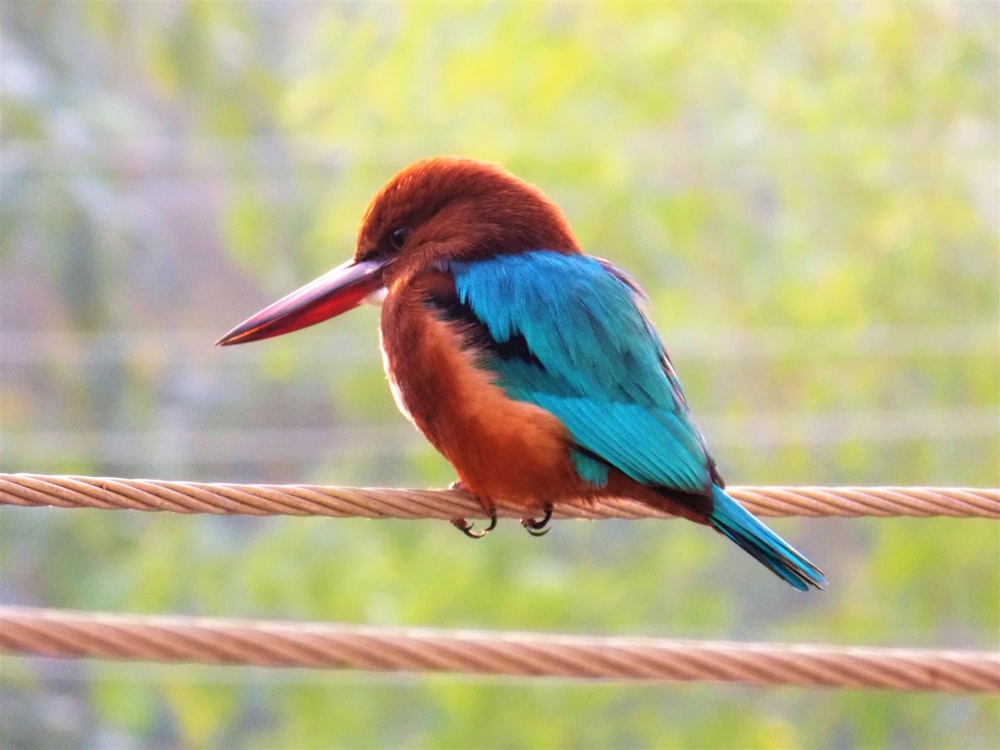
(730, 519)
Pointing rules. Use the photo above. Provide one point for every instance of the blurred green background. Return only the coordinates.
(808, 191)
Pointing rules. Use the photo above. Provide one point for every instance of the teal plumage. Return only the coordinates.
(566, 333)
(730, 519)
(596, 363)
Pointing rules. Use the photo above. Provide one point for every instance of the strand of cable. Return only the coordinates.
(62, 634)
(371, 502)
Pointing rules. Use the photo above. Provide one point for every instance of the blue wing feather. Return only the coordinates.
(565, 332)
(596, 363)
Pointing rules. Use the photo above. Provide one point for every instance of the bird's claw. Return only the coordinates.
(466, 528)
(538, 526)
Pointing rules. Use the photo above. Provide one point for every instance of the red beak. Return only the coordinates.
(333, 293)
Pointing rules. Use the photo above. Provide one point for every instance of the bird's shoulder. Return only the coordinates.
(580, 317)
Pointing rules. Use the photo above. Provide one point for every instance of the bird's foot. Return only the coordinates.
(538, 526)
(464, 526)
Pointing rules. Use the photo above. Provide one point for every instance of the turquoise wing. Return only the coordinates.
(566, 333)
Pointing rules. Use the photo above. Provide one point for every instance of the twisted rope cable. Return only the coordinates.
(62, 634)
(372, 502)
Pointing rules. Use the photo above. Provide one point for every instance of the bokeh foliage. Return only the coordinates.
(808, 191)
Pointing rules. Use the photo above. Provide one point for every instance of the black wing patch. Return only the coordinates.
(446, 306)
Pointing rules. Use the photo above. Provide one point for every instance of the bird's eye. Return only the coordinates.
(399, 236)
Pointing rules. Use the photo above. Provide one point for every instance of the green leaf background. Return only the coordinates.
(808, 191)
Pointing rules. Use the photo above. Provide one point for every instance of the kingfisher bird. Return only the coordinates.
(531, 366)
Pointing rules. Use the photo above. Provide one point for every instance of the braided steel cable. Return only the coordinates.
(371, 502)
(63, 634)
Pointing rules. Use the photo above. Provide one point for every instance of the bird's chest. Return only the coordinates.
(433, 377)
(499, 446)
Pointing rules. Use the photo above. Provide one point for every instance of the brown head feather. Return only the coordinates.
(455, 208)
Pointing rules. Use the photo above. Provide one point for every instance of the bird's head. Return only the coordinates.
(435, 210)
